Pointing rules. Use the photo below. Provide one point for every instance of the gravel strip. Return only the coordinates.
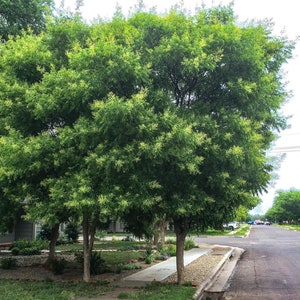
(197, 271)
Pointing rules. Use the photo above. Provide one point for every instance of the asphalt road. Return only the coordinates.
(269, 268)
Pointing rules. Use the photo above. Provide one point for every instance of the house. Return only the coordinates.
(29, 231)
(116, 226)
(23, 230)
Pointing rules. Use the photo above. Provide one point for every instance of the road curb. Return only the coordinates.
(217, 280)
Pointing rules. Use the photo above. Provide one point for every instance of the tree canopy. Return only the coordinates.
(165, 116)
(286, 206)
(16, 16)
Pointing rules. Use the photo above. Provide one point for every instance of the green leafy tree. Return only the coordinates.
(16, 16)
(50, 99)
(242, 214)
(286, 206)
(227, 79)
(169, 116)
(25, 62)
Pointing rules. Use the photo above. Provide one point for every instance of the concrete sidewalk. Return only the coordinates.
(162, 270)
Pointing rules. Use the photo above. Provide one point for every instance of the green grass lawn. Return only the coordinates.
(162, 291)
(50, 290)
(290, 227)
(121, 257)
(214, 232)
(244, 228)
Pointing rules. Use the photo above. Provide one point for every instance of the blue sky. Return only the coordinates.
(285, 15)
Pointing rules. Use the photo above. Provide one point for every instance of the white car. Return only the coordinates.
(232, 225)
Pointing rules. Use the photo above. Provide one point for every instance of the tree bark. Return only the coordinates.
(86, 249)
(163, 224)
(180, 238)
(156, 233)
(181, 227)
(53, 240)
(89, 231)
(92, 234)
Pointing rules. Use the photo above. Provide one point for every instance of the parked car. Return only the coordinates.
(258, 222)
(250, 222)
(267, 223)
(232, 225)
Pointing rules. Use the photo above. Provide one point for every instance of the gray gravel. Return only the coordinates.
(197, 271)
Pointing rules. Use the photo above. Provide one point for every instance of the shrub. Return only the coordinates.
(57, 266)
(30, 251)
(130, 267)
(160, 256)
(149, 250)
(169, 250)
(170, 241)
(189, 244)
(15, 251)
(96, 262)
(149, 257)
(21, 244)
(8, 263)
(27, 247)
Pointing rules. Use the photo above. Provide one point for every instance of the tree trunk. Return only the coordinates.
(86, 249)
(92, 234)
(53, 240)
(114, 227)
(89, 232)
(180, 238)
(156, 233)
(181, 227)
(163, 224)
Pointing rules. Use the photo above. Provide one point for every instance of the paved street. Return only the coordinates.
(270, 267)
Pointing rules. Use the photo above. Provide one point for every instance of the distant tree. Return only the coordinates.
(286, 206)
(16, 16)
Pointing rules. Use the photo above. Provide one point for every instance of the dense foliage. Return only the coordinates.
(147, 118)
(286, 207)
(16, 16)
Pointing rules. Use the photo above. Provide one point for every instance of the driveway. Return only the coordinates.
(270, 267)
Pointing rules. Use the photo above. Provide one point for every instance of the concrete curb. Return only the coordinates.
(217, 280)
